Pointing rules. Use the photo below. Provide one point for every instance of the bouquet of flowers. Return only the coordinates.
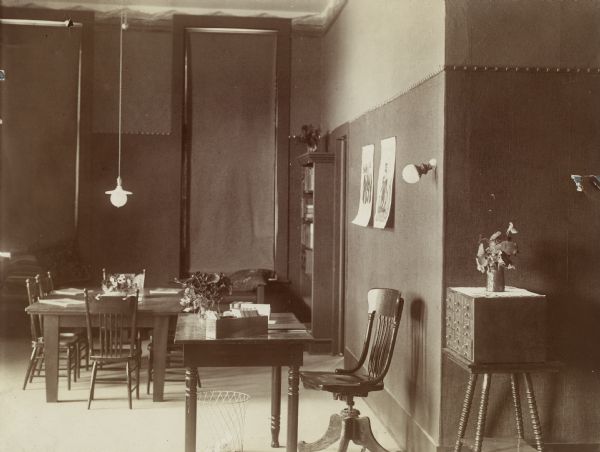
(309, 135)
(496, 251)
(204, 291)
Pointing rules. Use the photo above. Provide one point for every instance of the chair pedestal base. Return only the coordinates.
(346, 426)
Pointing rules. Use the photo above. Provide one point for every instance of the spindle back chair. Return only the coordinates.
(112, 336)
(384, 314)
(67, 344)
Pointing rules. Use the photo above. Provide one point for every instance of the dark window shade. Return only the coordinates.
(39, 135)
(232, 94)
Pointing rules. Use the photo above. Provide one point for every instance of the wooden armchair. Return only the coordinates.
(385, 305)
(112, 337)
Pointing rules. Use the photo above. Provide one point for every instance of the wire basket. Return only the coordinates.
(221, 420)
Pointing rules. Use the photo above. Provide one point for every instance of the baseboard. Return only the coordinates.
(320, 347)
(405, 431)
(563, 447)
(548, 447)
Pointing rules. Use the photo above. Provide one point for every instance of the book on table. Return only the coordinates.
(70, 291)
(63, 302)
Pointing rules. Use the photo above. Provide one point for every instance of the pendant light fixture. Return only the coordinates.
(118, 196)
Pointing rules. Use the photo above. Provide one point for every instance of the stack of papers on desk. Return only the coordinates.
(167, 291)
(68, 291)
(63, 302)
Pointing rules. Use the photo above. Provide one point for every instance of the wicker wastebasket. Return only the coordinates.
(221, 419)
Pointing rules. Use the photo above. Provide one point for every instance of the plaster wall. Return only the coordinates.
(376, 50)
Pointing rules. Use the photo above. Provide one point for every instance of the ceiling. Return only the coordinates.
(305, 14)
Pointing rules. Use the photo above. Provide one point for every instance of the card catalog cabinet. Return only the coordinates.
(496, 327)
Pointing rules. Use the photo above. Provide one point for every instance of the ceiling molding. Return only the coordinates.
(319, 23)
(303, 22)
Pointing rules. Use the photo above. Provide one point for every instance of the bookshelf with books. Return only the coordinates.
(316, 237)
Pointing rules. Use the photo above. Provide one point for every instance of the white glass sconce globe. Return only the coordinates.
(412, 173)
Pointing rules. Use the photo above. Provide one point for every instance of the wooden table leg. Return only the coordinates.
(485, 393)
(514, 385)
(51, 324)
(275, 404)
(191, 380)
(535, 419)
(159, 358)
(292, 415)
(464, 414)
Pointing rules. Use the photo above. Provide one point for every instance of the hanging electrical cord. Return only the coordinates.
(118, 196)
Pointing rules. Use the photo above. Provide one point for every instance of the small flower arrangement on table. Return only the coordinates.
(494, 254)
(204, 291)
(496, 251)
(310, 136)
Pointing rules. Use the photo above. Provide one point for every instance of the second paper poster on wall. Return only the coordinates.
(385, 182)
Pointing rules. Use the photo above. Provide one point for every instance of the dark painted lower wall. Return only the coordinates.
(145, 232)
(407, 255)
(512, 142)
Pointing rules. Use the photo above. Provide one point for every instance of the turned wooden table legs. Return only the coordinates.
(191, 381)
(514, 386)
(482, 413)
(464, 414)
(535, 419)
(292, 417)
(483, 404)
(275, 404)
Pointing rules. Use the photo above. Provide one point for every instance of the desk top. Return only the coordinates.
(156, 304)
(501, 368)
(509, 292)
(287, 328)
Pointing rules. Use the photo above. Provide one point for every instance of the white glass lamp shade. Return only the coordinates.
(118, 196)
(410, 174)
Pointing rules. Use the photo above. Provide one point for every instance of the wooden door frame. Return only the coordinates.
(338, 144)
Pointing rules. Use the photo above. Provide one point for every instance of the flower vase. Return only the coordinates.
(495, 280)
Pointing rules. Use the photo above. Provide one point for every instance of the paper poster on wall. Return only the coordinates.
(365, 204)
(385, 182)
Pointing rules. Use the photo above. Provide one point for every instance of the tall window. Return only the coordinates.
(235, 127)
(38, 158)
(231, 90)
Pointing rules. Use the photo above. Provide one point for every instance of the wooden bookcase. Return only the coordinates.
(316, 242)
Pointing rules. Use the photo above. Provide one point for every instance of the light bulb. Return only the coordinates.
(118, 196)
(410, 174)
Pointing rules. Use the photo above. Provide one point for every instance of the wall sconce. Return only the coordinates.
(412, 173)
(578, 180)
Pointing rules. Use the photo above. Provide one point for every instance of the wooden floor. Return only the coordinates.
(501, 445)
(28, 423)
